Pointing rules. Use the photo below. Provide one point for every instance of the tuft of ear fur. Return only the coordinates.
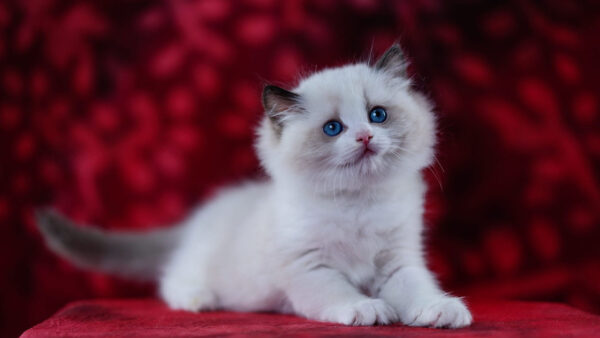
(277, 103)
(392, 61)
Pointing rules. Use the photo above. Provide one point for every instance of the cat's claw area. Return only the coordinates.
(364, 312)
(188, 298)
(443, 312)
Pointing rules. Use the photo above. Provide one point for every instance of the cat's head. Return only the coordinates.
(344, 127)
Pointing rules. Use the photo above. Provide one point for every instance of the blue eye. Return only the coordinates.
(332, 128)
(377, 115)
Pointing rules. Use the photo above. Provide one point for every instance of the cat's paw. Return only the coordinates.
(187, 297)
(443, 311)
(364, 312)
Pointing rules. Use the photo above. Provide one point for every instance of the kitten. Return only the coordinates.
(334, 235)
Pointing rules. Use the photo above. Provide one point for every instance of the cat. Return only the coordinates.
(334, 234)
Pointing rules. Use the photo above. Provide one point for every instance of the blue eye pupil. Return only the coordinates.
(377, 115)
(332, 128)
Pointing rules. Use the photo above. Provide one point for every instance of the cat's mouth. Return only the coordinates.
(365, 154)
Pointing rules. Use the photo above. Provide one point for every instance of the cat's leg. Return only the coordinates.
(185, 293)
(325, 294)
(418, 301)
(183, 285)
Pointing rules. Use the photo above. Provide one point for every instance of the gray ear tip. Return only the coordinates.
(392, 60)
(269, 90)
(395, 49)
(274, 92)
(272, 89)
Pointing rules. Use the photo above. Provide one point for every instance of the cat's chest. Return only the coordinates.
(349, 238)
(352, 242)
(351, 247)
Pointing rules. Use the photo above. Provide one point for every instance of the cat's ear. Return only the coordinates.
(278, 103)
(392, 61)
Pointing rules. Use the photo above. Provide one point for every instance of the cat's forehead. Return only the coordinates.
(345, 89)
(336, 83)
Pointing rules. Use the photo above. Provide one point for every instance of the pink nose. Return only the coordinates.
(364, 137)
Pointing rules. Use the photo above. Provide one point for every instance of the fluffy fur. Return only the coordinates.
(334, 235)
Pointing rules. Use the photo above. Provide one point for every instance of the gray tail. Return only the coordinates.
(137, 255)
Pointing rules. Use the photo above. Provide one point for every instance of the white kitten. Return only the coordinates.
(335, 234)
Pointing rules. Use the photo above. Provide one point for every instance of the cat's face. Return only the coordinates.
(347, 126)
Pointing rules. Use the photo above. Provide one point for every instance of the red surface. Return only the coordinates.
(150, 318)
(128, 114)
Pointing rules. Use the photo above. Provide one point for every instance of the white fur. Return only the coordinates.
(326, 237)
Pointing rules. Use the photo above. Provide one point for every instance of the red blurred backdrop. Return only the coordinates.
(128, 114)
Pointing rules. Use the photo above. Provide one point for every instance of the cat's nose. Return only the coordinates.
(364, 137)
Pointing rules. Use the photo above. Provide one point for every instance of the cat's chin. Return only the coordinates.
(366, 172)
(365, 156)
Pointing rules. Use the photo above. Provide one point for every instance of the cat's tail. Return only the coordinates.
(137, 255)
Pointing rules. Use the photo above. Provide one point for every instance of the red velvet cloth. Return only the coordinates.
(127, 114)
(150, 318)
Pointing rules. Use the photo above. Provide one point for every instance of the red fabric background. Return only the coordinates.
(127, 114)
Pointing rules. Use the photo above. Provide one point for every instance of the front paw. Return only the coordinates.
(187, 296)
(364, 312)
(442, 311)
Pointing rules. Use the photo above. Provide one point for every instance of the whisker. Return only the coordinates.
(436, 178)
